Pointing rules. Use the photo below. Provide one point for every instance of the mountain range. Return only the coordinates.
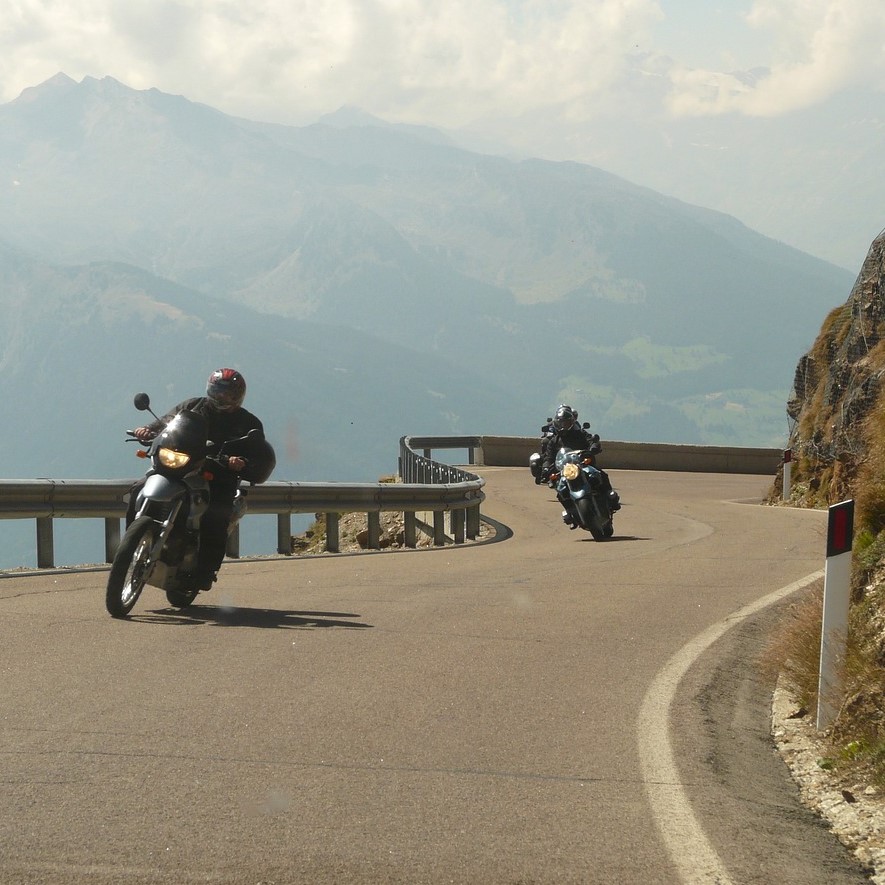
(811, 178)
(369, 280)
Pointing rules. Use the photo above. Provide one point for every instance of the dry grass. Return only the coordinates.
(858, 736)
(857, 739)
(794, 648)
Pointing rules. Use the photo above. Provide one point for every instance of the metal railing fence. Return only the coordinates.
(427, 486)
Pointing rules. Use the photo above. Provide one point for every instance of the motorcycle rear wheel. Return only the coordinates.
(181, 598)
(129, 570)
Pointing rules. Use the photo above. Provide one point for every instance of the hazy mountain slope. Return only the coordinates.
(633, 263)
(78, 342)
(580, 258)
(811, 178)
(96, 171)
(542, 280)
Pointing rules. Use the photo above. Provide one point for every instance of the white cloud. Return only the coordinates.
(821, 48)
(280, 59)
(424, 61)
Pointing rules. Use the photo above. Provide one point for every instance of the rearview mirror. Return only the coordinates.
(142, 402)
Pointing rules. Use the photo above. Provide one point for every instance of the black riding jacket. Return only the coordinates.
(575, 437)
(222, 426)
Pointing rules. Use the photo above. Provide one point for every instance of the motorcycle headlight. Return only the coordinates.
(571, 471)
(172, 459)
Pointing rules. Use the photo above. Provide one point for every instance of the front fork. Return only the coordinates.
(165, 527)
(577, 489)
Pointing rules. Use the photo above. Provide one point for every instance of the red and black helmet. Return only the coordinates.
(226, 389)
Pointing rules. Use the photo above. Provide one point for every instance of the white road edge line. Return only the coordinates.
(687, 844)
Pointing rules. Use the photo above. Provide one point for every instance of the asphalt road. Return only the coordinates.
(543, 709)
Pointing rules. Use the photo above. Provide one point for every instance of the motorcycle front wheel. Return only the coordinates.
(129, 570)
(588, 519)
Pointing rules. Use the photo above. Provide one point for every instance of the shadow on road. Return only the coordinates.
(615, 538)
(230, 616)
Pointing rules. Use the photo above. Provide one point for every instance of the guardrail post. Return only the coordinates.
(410, 529)
(458, 525)
(439, 528)
(45, 545)
(332, 543)
(473, 522)
(284, 533)
(373, 521)
(111, 538)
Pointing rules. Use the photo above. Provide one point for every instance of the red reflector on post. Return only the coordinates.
(840, 528)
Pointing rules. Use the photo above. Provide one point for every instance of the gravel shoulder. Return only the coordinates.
(855, 812)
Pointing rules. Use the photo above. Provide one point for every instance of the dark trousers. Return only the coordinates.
(214, 525)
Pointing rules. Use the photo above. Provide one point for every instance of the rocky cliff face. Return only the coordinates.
(838, 441)
(838, 396)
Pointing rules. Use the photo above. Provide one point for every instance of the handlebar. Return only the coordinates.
(218, 457)
(224, 459)
(134, 438)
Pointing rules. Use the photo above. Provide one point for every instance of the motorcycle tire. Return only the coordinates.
(129, 570)
(588, 519)
(181, 598)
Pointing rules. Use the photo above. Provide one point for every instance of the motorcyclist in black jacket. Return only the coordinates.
(541, 471)
(226, 420)
(565, 432)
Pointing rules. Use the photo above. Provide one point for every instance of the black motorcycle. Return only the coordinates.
(162, 542)
(580, 486)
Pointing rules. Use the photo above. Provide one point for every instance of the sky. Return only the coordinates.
(449, 64)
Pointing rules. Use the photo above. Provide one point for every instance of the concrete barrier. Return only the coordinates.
(514, 451)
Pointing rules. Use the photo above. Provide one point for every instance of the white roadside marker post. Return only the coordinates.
(834, 629)
(788, 469)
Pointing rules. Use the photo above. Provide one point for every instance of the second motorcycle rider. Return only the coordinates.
(565, 432)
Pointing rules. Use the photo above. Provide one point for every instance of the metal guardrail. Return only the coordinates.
(514, 451)
(427, 486)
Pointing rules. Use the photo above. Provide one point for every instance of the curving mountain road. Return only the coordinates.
(546, 709)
